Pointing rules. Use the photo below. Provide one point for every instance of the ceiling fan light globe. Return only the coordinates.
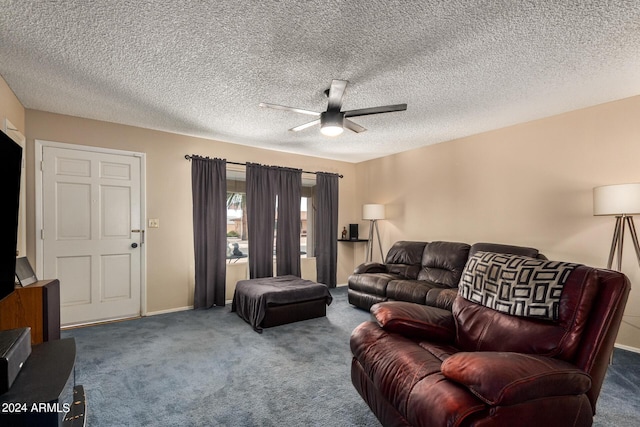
(331, 130)
(331, 123)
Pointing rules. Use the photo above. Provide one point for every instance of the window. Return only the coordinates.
(237, 237)
(237, 247)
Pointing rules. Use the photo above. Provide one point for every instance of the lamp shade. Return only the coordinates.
(616, 199)
(372, 211)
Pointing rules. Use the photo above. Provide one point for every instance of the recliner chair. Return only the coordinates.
(527, 343)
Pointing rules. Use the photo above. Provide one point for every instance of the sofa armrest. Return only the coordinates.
(370, 267)
(503, 378)
(441, 297)
(415, 320)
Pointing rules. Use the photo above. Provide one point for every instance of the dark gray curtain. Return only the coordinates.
(209, 189)
(288, 226)
(326, 228)
(261, 210)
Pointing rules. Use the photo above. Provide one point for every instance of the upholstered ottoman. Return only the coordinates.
(273, 301)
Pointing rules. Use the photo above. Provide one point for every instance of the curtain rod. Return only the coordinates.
(188, 157)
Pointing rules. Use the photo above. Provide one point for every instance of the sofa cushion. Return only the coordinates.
(483, 329)
(443, 262)
(503, 249)
(410, 290)
(405, 252)
(514, 284)
(414, 320)
(510, 378)
(403, 270)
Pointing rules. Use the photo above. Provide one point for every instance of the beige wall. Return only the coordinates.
(529, 184)
(12, 110)
(170, 263)
(10, 107)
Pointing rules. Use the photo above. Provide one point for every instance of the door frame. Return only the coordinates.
(39, 148)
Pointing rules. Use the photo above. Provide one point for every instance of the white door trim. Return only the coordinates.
(39, 146)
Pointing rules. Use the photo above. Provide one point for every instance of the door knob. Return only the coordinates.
(134, 245)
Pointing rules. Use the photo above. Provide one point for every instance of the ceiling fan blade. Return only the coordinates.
(353, 126)
(375, 110)
(283, 107)
(336, 91)
(306, 125)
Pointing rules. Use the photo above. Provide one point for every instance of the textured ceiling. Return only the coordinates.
(202, 67)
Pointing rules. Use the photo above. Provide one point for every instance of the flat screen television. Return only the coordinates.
(10, 169)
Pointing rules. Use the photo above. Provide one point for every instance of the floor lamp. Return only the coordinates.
(373, 213)
(621, 201)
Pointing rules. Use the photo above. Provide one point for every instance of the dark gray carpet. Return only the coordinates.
(209, 368)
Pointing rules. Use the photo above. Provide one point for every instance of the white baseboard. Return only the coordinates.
(96, 322)
(169, 310)
(628, 348)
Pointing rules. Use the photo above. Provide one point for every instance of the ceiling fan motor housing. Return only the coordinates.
(332, 118)
(331, 122)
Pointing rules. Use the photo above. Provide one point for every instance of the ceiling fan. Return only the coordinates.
(333, 121)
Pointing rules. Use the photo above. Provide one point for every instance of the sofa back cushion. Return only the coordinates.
(514, 284)
(503, 249)
(405, 252)
(480, 328)
(443, 262)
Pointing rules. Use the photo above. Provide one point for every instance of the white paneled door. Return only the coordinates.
(92, 232)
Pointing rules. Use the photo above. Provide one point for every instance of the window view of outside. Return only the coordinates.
(237, 238)
(237, 246)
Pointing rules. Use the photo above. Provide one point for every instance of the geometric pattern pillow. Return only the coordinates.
(515, 284)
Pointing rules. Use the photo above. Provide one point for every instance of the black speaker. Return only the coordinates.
(353, 231)
(15, 348)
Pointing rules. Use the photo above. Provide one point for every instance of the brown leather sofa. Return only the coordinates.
(476, 365)
(419, 272)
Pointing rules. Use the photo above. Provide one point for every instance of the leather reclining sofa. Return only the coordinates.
(527, 343)
(425, 273)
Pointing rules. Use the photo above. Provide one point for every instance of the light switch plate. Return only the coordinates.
(154, 223)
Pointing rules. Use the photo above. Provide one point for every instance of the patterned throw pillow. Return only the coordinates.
(515, 284)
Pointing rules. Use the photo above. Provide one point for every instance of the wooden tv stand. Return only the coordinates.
(36, 306)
